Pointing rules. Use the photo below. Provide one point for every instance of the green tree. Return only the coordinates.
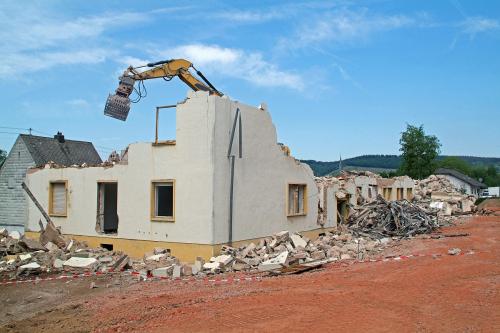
(3, 156)
(456, 163)
(418, 152)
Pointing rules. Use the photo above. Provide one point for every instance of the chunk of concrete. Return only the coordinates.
(24, 257)
(156, 257)
(58, 263)
(298, 241)
(77, 262)
(223, 259)
(454, 251)
(274, 263)
(249, 248)
(15, 235)
(211, 265)
(30, 266)
(163, 271)
(51, 247)
(177, 272)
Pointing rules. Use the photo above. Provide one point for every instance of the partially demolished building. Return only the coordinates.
(339, 194)
(225, 179)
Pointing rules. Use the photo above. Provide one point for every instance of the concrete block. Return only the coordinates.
(163, 271)
(15, 235)
(274, 263)
(77, 262)
(156, 257)
(23, 257)
(211, 265)
(51, 247)
(298, 241)
(58, 263)
(30, 266)
(177, 272)
(223, 259)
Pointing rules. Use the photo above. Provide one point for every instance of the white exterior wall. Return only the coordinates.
(199, 165)
(260, 180)
(461, 185)
(365, 183)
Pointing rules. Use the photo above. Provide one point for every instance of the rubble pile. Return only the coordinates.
(286, 249)
(382, 218)
(437, 192)
(433, 183)
(55, 253)
(21, 256)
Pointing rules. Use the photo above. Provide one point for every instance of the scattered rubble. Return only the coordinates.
(382, 218)
(285, 251)
(455, 251)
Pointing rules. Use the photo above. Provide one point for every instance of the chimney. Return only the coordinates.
(60, 137)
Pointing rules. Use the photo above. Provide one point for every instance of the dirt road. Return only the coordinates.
(441, 293)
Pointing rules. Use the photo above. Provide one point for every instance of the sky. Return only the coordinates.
(339, 77)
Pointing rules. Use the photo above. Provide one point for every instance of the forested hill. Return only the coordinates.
(386, 162)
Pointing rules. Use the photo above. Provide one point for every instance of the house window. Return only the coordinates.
(297, 204)
(409, 193)
(163, 200)
(400, 193)
(58, 200)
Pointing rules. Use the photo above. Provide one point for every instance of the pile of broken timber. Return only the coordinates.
(382, 218)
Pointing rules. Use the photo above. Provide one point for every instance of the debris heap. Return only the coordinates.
(22, 256)
(437, 192)
(382, 218)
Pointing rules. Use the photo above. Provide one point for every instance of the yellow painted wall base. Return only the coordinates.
(185, 252)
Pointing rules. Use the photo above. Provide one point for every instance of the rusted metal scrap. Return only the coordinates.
(382, 218)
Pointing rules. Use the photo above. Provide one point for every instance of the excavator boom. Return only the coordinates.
(118, 104)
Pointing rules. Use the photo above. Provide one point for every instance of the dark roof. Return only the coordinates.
(67, 153)
(461, 176)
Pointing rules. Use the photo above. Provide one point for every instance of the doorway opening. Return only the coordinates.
(107, 207)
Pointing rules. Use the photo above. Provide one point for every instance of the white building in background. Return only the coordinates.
(223, 179)
(462, 182)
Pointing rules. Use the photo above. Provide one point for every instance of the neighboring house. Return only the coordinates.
(462, 182)
(223, 180)
(30, 151)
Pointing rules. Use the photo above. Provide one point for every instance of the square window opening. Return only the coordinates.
(297, 203)
(163, 200)
(58, 198)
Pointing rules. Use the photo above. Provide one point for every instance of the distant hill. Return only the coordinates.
(379, 163)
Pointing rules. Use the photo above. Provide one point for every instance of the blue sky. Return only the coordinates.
(339, 77)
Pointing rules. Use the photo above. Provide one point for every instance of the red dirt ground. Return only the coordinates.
(423, 294)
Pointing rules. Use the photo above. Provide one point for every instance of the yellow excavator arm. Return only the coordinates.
(118, 104)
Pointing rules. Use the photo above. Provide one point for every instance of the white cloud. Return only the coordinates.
(20, 63)
(344, 26)
(475, 25)
(35, 39)
(236, 63)
(250, 16)
(78, 102)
